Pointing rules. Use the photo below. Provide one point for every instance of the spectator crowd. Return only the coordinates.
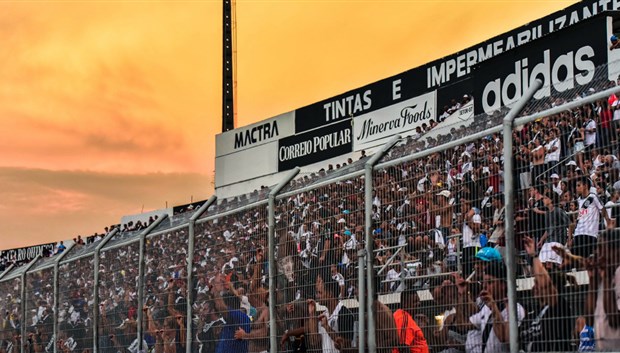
(438, 228)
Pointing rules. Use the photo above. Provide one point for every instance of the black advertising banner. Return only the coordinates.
(22, 255)
(458, 66)
(453, 69)
(314, 146)
(564, 61)
(360, 101)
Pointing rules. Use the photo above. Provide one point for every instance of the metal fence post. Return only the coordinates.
(190, 269)
(23, 302)
(370, 247)
(273, 330)
(140, 318)
(96, 260)
(513, 320)
(361, 299)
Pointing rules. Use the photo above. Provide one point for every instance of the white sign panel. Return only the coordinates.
(374, 128)
(248, 164)
(256, 134)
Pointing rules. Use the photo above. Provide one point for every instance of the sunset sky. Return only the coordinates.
(109, 108)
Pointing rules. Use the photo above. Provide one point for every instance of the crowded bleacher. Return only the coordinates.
(438, 228)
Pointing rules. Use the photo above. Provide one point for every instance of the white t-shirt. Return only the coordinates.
(617, 114)
(607, 338)
(555, 155)
(393, 276)
(338, 277)
(469, 238)
(245, 304)
(133, 348)
(590, 136)
(481, 319)
(597, 162)
(589, 216)
(609, 207)
(332, 321)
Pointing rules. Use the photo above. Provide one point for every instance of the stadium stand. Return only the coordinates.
(438, 227)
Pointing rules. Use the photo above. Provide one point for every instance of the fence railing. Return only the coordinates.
(412, 248)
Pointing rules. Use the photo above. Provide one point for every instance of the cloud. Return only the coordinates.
(112, 87)
(45, 205)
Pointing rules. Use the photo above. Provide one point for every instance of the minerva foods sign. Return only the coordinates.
(375, 128)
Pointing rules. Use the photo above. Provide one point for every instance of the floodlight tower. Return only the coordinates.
(229, 82)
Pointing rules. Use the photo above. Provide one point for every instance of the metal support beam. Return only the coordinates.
(273, 329)
(510, 208)
(370, 292)
(389, 261)
(95, 307)
(190, 271)
(7, 271)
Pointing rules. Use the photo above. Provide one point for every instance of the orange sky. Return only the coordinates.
(107, 107)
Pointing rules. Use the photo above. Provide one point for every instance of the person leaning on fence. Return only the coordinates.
(549, 329)
(257, 296)
(603, 298)
(411, 337)
(446, 337)
(335, 326)
(229, 307)
(490, 323)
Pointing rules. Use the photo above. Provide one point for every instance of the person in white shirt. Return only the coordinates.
(339, 278)
(613, 206)
(590, 132)
(392, 283)
(335, 326)
(492, 319)
(553, 148)
(471, 235)
(557, 185)
(499, 214)
(586, 230)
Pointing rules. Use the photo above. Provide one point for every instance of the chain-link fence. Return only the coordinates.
(118, 294)
(411, 254)
(75, 299)
(566, 212)
(39, 319)
(319, 231)
(165, 289)
(11, 306)
(230, 278)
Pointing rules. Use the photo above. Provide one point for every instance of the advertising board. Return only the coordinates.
(26, 254)
(253, 135)
(373, 129)
(564, 61)
(316, 145)
(247, 164)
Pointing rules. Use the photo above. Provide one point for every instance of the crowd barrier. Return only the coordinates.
(426, 246)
